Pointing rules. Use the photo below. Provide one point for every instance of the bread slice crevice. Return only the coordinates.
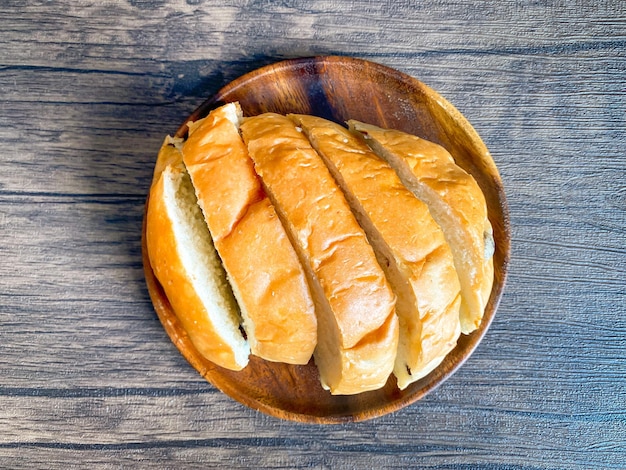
(201, 259)
(188, 267)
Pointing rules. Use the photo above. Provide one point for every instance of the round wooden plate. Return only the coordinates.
(341, 88)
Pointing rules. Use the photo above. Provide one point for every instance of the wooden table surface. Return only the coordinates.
(88, 90)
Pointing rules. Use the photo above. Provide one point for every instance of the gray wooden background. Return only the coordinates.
(88, 89)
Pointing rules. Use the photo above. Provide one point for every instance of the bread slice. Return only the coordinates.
(456, 203)
(409, 245)
(357, 324)
(184, 261)
(266, 275)
(169, 155)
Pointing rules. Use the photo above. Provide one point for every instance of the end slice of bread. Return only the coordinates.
(456, 203)
(264, 270)
(169, 155)
(357, 324)
(186, 264)
(409, 245)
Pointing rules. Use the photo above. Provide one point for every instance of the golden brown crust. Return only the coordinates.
(409, 243)
(455, 201)
(197, 318)
(365, 366)
(334, 247)
(222, 173)
(169, 155)
(263, 268)
(273, 282)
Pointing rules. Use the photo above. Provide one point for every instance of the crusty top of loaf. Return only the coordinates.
(402, 220)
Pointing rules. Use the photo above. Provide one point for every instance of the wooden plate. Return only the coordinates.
(340, 88)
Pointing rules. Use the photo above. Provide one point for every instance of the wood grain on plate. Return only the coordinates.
(340, 88)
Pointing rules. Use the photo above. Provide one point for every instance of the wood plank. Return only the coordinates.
(159, 426)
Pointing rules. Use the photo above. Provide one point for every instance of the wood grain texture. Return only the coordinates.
(87, 91)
